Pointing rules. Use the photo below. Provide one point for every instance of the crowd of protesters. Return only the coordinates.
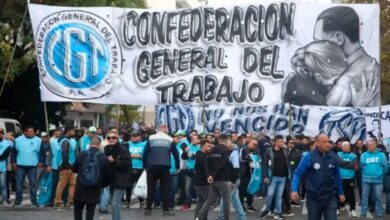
(93, 167)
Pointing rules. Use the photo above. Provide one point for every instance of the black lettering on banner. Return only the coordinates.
(169, 61)
(171, 25)
(196, 28)
(143, 28)
(252, 14)
(237, 25)
(240, 98)
(211, 84)
(271, 22)
(249, 25)
(197, 58)
(211, 57)
(130, 23)
(184, 26)
(225, 90)
(196, 91)
(208, 24)
(256, 92)
(158, 27)
(276, 74)
(179, 90)
(222, 24)
(265, 62)
(251, 60)
(163, 91)
(143, 68)
(157, 63)
(184, 60)
(286, 20)
(260, 29)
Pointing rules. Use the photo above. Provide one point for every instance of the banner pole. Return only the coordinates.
(289, 118)
(46, 117)
(380, 138)
(117, 116)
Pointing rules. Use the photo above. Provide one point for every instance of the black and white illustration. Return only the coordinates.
(334, 69)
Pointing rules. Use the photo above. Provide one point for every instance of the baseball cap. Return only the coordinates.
(43, 134)
(135, 133)
(92, 129)
(180, 133)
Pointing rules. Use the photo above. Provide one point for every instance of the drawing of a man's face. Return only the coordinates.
(336, 37)
(375, 124)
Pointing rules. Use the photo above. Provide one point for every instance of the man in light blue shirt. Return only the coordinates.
(5, 149)
(25, 159)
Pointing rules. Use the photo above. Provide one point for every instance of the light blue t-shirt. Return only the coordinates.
(137, 148)
(4, 144)
(28, 150)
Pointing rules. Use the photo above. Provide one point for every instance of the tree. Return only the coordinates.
(21, 94)
(127, 113)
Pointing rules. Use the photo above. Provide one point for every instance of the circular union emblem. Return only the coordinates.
(317, 166)
(78, 54)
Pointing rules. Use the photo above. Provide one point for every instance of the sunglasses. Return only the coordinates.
(111, 138)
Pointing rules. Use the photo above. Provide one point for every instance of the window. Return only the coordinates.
(9, 126)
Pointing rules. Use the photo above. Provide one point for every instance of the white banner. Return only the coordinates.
(271, 120)
(317, 54)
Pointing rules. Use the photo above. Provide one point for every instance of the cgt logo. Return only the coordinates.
(78, 55)
(177, 117)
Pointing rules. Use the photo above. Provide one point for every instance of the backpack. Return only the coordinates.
(91, 174)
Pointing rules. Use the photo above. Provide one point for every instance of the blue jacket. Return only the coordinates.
(374, 166)
(321, 175)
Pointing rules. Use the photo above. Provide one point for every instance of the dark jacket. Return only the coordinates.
(245, 161)
(219, 163)
(268, 162)
(65, 153)
(294, 157)
(201, 169)
(120, 168)
(90, 195)
(158, 150)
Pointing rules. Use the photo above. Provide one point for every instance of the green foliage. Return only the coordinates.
(127, 113)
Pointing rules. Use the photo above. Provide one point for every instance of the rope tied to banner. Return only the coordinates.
(13, 52)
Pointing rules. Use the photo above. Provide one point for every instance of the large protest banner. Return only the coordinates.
(270, 120)
(258, 54)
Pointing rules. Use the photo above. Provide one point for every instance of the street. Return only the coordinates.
(134, 213)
